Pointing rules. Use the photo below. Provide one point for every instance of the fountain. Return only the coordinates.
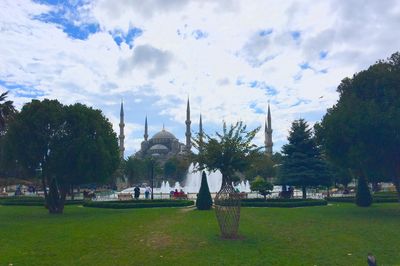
(193, 181)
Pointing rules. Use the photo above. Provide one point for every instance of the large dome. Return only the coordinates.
(163, 134)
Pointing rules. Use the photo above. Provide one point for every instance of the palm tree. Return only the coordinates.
(7, 111)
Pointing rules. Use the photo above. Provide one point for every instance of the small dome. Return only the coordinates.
(158, 147)
(163, 134)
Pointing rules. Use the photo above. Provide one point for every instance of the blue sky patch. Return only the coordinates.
(65, 15)
(198, 34)
(239, 82)
(323, 54)
(264, 33)
(305, 65)
(271, 91)
(22, 90)
(256, 109)
(295, 35)
(128, 38)
(323, 71)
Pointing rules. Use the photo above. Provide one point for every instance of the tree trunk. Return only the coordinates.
(303, 188)
(224, 179)
(265, 197)
(72, 192)
(46, 205)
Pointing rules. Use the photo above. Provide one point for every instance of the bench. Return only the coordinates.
(125, 196)
(180, 196)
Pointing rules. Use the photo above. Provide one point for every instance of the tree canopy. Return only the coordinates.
(302, 164)
(361, 131)
(7, 112)
(261, 165)
(72, 144)
(230, 151)
(135, 170)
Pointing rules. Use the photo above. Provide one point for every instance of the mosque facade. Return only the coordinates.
(165, 145)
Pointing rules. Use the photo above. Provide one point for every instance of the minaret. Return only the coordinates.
(188, 133)
(146, 135)
(200, 134)
(268, 134)
(121, 131)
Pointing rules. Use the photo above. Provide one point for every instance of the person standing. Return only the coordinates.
(136, 191)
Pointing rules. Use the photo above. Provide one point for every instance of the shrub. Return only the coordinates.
(135, 204)
(262, 186)
(285, 203)
(204, 200)
(363, 195)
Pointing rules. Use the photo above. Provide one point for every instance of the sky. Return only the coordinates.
(230, 58)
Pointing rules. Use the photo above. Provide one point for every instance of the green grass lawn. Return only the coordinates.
(339, 234)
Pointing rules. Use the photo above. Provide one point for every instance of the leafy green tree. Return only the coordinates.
(135, 170)
(262, 186)
(176, 168)
(363, 194)
(360, 131)
(170, 168)
(7, 112)
(229, 152)
(261, 165)
(204, 200)
(72, 144)
(302, 164)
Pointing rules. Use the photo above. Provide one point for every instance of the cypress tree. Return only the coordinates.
(204, 200)
(363, 195)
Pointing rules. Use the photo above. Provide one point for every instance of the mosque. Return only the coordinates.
(165, 145)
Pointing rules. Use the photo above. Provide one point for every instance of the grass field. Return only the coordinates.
(338, 234)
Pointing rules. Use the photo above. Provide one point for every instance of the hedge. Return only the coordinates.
(274, 200)
(31, 201)
(281, 203)
(138, 204)
(375, 199)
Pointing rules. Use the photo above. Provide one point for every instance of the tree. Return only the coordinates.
(135, 170)
(360, 131)
(262, 186)
(176, 168)
(229, 152)
(302, 164)
(261, 165)
(204, 200)
(7, 112)
(72, 144)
